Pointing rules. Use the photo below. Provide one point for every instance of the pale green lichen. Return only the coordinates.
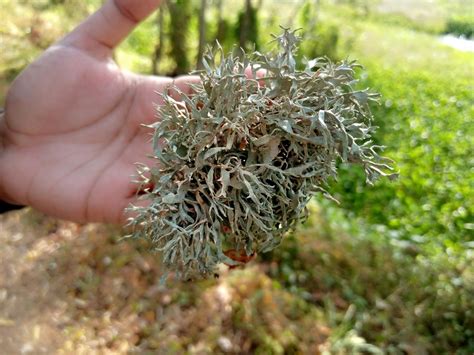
(237, 162)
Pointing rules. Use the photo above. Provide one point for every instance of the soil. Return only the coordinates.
(63, 284)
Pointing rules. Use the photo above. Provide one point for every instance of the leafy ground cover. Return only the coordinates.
(425, 120)
(70, 287)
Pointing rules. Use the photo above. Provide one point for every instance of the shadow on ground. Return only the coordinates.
(66, 287)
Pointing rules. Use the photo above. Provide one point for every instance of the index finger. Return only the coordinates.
(107, 27)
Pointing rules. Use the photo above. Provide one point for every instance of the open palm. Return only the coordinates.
(72, 129)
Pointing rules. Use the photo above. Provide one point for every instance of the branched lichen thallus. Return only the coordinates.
(238, 161)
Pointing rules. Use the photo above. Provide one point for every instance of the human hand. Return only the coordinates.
(72, 128)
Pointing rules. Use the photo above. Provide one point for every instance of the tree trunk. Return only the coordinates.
(202, 33)
(180, 13)
(161, 39)
(220, 33)
(244, 26)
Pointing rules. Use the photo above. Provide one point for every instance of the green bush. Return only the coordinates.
(424, 119)
(460, 27)
(429, 138)
(320, 39)
(388, 295)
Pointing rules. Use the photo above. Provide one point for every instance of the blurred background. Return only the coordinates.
(388, 271)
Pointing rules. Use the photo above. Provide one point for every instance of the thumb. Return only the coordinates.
(110, 25)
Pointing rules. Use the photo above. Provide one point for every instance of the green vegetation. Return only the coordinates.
(425, 121)
(384, 292)
(390, 270)
(460, 27)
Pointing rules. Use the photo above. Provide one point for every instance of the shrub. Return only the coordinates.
(460, 27)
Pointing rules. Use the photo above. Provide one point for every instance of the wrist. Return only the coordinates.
(4, 197)
(2, 153)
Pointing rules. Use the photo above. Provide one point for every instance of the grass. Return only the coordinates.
(424, 119)
(396, 297)
(332, 287)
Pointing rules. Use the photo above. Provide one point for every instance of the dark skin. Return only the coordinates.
(72, 130)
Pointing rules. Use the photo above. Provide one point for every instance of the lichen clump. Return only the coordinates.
(238, 161)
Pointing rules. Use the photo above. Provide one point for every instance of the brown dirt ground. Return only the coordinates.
(54, 274)
(67, 288)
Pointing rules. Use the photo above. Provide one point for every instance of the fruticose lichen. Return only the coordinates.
(238, 161)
